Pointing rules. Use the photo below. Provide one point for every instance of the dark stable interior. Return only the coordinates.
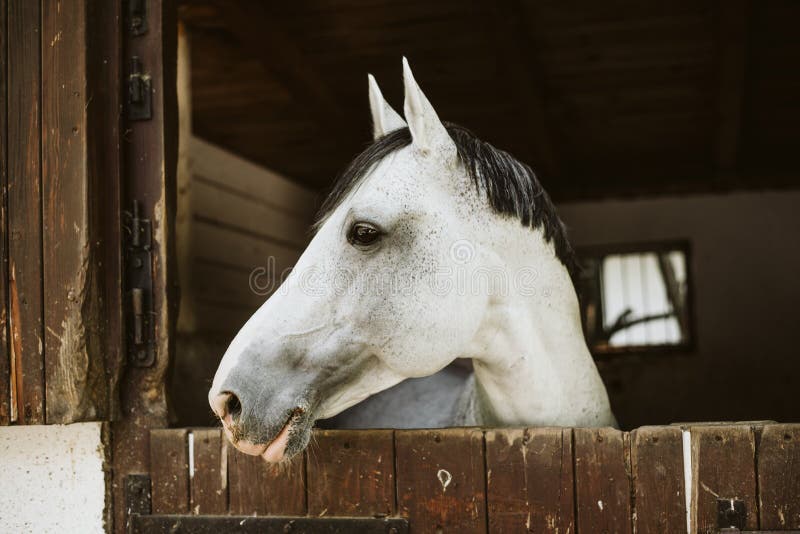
(645, 122)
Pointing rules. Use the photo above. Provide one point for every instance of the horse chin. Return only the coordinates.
(289, 441)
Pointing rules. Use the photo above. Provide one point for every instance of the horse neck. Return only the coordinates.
(532, 366)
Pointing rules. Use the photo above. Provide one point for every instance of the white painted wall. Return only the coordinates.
(746, 276)
(52, 479)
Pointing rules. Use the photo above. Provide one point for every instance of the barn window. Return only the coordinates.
(635, 298)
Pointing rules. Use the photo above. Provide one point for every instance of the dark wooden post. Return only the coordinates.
(150, 161)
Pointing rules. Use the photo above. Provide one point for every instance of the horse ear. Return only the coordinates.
(427, 130)
(384, 118)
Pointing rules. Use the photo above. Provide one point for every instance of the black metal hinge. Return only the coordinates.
(137, 16)
(139, 287)
(140, 102)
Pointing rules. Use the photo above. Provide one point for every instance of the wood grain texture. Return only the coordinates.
(74, 367)
(248, 179)
(351, 473)
(242, 249)
(25, 210)
(227, 207)
(150, 156)
(209, 475)
(530, 480)
(779, 477)
(5, 360)
(256, 487)
(169, 471)
(657, 468)
(441, 479)
(104, 106)
(723, 466)
(602, 481)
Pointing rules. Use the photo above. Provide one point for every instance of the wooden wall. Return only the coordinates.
(497, 480)
(243, 218)
(242, 226)
(59, 166)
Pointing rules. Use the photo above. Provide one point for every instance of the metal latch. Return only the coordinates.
(732, 519)
(139, 277)
(140, 105)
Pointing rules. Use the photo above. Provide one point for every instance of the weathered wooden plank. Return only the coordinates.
(150, 155)
(221, 283)
(723, 466)
(441, 479)
(657, 467)
(779, 477)
(216, 202)
(208, 472)
(602, 481)
(5, 360)
(245, 178)
(247, 251)
(351, 473)
(104, 121)
(169, 471)
(530, 480)
(24, 210)
(256, 487)
(74, 366)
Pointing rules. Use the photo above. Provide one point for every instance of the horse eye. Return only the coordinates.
(363, 234)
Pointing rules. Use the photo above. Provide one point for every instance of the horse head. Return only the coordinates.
(400, 280)
(362, 309)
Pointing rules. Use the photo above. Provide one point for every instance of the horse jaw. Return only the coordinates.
(531, 363)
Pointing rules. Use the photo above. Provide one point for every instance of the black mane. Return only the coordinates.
(510, 186)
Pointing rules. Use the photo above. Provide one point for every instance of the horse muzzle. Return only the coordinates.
(275, 439)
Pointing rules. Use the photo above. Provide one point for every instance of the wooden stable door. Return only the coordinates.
(60, 172)
(88, 176)
(87, 172)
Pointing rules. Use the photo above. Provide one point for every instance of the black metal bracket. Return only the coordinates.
(732, 519)
(137, 494)
(731, 513)
(139, 286)
(137, 17)
(140, 102)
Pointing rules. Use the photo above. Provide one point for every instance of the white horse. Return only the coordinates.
(432, 246)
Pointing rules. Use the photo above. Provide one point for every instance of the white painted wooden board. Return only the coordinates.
(53, 478)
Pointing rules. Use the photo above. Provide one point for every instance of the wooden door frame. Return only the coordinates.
(150, 151)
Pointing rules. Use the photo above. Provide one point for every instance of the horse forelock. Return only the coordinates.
(511, 186)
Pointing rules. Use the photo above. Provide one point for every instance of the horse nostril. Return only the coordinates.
(233, 406)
